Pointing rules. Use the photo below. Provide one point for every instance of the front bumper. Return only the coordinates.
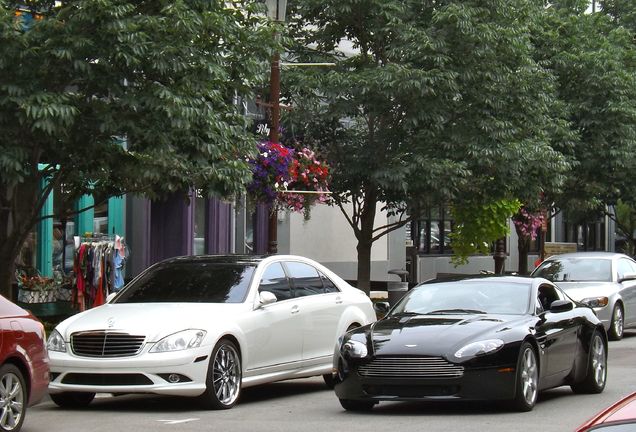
(491, 383)
(142, 373)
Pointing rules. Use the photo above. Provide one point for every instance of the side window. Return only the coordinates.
(330, 287)
(625, 267)
(546, 295)
(305, 279)
(275, 281)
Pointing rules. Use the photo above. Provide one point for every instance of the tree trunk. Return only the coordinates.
(364, 236)
(500, 256)
(523, 245)
(7, 267)
(364, 266)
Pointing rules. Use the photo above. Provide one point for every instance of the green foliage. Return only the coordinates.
(593, 58)
(159, 75)
(431, 102)
(478, 225)
(625, 218)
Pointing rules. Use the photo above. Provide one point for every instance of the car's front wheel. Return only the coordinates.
(223, 384)
(72, 399)
(13, 397)
(596, 371)
(616, 326)
(527, 380)
(356, 405)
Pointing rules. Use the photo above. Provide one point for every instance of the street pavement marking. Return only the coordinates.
(172, 422)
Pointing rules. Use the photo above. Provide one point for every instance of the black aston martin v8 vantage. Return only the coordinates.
(496, 338)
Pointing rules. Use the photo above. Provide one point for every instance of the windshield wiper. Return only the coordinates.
(407, 313)
(455, 311)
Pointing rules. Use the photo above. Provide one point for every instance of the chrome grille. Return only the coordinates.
(411, 367)
(106, 344)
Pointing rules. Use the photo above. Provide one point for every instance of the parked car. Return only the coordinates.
(24, 364)
(207, 326)
(619, 417)
(605, 281)
(492, 338)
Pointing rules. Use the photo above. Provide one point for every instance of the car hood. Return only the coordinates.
(153, 320)
(436, 335)
(580, 290)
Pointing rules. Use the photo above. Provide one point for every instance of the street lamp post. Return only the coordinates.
(275, 11)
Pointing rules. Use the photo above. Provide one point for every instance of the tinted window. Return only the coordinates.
(462, 297)
(329, 286)
(305, 279)
(576, 270)
(275, 281)
(193, 282)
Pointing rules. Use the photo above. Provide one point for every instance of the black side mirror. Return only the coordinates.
(381, 307)
(561, 306)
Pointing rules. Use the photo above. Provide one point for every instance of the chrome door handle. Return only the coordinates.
(295, 309)
(339, 300)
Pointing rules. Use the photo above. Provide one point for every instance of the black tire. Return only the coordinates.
(596, 369)
(527, 379)
(13, 398)
(223, 382)
(72, 399)
(356, 405)
(617, 323)
(330, 380)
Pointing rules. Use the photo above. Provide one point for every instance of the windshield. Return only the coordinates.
(190, 282)
(474, 297)
(576, 270)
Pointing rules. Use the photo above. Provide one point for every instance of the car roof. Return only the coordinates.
(597, 255)
(221, 259)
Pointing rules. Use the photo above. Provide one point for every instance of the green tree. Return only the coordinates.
(160, 74)
(593, 58)
(435, 102)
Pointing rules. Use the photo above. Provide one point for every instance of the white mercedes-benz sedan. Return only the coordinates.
(207, 326)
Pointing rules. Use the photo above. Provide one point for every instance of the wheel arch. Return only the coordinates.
(23, 368)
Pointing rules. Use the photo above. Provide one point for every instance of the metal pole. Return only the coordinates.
(272, 247)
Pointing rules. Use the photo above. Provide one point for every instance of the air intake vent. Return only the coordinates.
(106, 344)
(411, 367)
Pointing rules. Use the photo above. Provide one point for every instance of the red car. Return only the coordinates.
(24, 364)
(619, 417)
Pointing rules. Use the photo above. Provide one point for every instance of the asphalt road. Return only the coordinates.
(306, 405)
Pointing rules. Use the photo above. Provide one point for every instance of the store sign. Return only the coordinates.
(262, 128)
(557, 248)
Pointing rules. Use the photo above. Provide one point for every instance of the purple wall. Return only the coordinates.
(170, 228)
(218, 235)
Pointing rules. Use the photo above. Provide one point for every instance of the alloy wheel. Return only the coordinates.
(12, 401)
(617, 321)
(226, 374)
(599, 361)
(529, 376)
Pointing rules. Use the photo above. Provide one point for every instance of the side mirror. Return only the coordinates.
(265, 298)
(561, 306)
(381, 307)
(627, 277)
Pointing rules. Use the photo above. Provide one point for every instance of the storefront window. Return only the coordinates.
(198, 245)
(431, 234)
(100, 221)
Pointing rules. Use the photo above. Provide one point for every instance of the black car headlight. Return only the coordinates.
(354, 349)
(475, 349)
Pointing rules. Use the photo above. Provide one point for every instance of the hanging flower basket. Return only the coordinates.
(288, 179)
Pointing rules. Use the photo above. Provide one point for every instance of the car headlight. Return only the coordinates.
(595, 302)
(354, 349)
(182, 340)
(480, 348)
(56, 342)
